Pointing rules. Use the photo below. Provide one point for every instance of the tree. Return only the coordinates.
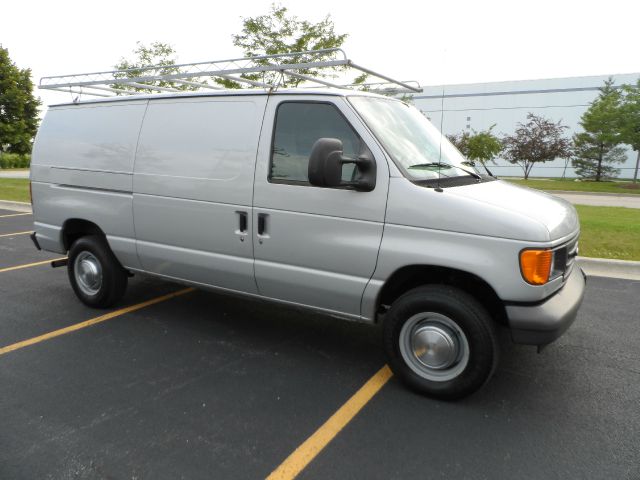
(157, 54)
(18, 107)
(593, 160)
(596, 149)
(277, 32)
(461, 141)
(537, 141)
(481, 146)
(630, 121)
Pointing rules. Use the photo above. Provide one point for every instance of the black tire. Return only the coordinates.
(113, 278)
(462, 319)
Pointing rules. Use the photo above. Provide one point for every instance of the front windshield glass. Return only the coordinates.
(411, 140)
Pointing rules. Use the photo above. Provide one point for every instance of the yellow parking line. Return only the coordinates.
(15, 233)
(93, 321)
(27, 265)
(302, 456)
(15, 215)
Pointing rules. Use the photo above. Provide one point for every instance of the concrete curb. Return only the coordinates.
(607, 267)
(23, 207)
(596, 194)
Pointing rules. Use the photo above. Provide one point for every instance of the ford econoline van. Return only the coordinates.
(348, 203)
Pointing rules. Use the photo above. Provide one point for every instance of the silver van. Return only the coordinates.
(348, 203)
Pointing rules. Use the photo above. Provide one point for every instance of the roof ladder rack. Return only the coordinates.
(317, 67)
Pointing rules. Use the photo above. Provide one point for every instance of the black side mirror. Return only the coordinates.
(325, 166)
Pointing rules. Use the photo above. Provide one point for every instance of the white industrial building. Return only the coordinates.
(478, 106)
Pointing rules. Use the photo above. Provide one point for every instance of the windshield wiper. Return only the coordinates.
(472, 164)
(445, 165)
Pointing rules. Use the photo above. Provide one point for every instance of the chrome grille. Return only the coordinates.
(572, 253)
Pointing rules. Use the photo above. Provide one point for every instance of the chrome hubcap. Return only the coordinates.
(88, 273)
(434, 346)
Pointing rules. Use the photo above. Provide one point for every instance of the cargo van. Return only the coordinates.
(338, 201)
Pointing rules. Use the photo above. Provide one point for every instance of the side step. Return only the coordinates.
(59, 263)
(34, 239)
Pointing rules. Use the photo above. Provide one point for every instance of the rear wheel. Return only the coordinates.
(440, 341)
(95, 274)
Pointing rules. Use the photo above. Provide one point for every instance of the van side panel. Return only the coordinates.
(82, 167)
(193, 175)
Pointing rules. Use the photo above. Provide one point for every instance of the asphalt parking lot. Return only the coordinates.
(204, 385)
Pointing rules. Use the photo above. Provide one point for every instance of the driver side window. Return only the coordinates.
(297, 127)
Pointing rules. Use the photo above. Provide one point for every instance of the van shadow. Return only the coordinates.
(249, 326)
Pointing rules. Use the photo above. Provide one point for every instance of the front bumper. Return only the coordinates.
(544, 322)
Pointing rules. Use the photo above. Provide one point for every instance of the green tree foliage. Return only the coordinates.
(537, 141)
(278, 32)
(630, 120)
(597, 148)
(157, 54)
(481, 146)
(593, 160)
(18, 107)
(461, 141)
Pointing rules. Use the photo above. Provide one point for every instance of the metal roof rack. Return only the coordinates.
(266, 71)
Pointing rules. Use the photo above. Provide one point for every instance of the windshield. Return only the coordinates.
(413, 142)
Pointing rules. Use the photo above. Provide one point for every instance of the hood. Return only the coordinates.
(556, 214)
(495, 208)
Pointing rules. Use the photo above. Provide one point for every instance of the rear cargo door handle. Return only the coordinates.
(243, 223)
(263, 228)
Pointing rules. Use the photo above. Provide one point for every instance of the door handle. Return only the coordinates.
(262, 224)
(243, 225)
(242, 217)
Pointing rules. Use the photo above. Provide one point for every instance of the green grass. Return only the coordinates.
(583, 186)
(14, 189)
(609, 232)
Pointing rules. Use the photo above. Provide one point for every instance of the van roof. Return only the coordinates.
(224, 93)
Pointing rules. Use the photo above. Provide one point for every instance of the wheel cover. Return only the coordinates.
(434, 346)
(88, 273)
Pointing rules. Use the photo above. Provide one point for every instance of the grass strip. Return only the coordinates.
(582, 186)
(609, 232)
(14, 189)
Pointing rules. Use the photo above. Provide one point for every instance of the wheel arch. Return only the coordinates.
(74, 228)
(412, 276)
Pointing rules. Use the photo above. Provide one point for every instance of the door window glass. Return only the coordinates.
(298, 126)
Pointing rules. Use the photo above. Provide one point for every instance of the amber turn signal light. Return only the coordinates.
(535, 266)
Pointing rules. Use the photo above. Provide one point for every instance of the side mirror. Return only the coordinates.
(325, 166)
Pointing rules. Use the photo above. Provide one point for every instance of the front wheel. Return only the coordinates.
(95, 274)
(440, 341)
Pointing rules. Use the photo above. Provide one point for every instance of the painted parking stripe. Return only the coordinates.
(15, 215)
(15, 234)
(28, 265)
(305, 453)
(93, 321)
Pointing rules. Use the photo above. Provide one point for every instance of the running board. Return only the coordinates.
(59, 263)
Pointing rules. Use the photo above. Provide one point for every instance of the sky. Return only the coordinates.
(435, 43)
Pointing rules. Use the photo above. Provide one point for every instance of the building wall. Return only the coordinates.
(478, 106)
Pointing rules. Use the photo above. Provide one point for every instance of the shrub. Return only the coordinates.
(14, 160)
